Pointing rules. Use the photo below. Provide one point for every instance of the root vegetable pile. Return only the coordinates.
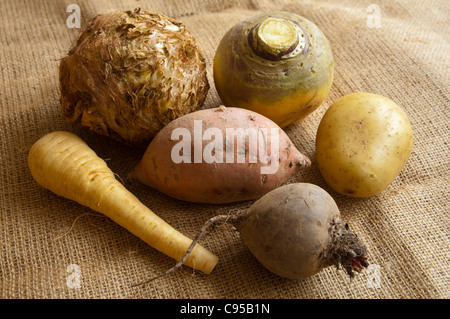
(140, 78)
(67, 166)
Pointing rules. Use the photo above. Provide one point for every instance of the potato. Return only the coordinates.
(219, 155)
(362, 143)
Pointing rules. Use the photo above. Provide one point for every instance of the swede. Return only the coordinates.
(67, 166)
(278, 64)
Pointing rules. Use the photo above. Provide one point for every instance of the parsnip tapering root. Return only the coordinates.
(66, 165)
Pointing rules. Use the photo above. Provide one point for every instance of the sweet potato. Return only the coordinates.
(219, 155)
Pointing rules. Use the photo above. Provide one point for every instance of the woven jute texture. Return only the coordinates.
(52, 247)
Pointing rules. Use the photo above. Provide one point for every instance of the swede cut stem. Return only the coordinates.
(276, 39)
(64, 164)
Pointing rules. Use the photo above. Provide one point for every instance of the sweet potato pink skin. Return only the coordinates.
(216, 183)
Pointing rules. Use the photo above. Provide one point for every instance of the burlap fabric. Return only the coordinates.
(54, 248)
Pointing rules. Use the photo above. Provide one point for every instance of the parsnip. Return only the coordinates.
(66, 165)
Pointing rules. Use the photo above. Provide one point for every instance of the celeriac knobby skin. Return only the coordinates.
(130, 73)
(363, 142)
(278, 64)
(64, 164)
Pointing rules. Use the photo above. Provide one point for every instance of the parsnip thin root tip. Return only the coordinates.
(211, 222)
